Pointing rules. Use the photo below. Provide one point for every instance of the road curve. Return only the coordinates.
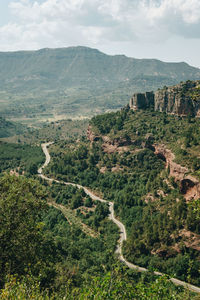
(122, 229)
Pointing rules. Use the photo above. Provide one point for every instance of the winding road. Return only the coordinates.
(122, 229)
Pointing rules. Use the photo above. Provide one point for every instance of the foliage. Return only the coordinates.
(21, 239)
(45, 253)
(81, 253)
(8, 128)
(180, 134)
(117, 284)
(20, 157)
(147, 200)
(38, 239)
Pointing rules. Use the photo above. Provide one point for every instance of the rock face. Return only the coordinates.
(189, 186)
(182, 99)
(91, 136)
(142, 101)
(109, 145)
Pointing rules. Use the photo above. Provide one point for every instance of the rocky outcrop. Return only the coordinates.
(142, 101)
(189, 185)
(116, 145)
(192, 239)
(91, 135)
(182, 99)
(109, 145)
(165, 154)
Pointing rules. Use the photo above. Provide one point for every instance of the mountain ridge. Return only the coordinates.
(80, 80)
(95, 50)
(61, 53)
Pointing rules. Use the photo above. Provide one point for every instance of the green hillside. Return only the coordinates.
(20, 158)
(158, 203)
(8, 128)
(43, 257)
(57, 241)
(78, 81)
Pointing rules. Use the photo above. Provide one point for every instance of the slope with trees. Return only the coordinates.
(163, 229)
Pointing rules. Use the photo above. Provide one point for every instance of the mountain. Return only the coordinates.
(79, 80)
(76, 66)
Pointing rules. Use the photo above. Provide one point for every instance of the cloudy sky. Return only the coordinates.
(165, 29)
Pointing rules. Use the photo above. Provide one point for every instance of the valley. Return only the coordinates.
(144, 162)
(122, 230)
(37, 86)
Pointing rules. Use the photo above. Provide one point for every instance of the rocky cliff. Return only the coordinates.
(142, 100)
(182, 99)
(189, 185)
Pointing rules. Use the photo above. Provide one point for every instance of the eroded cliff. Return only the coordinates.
(182, 99)
(189, 185)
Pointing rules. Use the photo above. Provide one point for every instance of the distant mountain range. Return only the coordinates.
(79, 80)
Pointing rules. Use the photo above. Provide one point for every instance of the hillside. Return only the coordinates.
(78, 81)
(59, 240)
(147, 163)
(20, 159)
(77, 66)
(8, 128)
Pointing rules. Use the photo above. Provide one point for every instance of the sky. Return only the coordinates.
(168, 30)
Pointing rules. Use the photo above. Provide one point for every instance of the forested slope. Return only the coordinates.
(20, 158)
(120, 161)
(56, 243)
(43, 257)
(8, 128)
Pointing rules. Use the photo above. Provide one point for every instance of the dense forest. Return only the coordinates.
(53, 260)
(44, 257)
(20, 158)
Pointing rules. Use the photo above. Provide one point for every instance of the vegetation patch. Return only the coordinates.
(154, 227)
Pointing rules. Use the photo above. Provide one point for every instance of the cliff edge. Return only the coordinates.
(182, 99)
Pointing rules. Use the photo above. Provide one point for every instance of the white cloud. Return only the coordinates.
(56, 23)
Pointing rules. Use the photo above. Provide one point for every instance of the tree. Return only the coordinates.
(21, 205)
(88, 202)
(33, 169)
(76, 201)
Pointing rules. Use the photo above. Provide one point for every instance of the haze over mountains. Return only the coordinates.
(78, 81)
